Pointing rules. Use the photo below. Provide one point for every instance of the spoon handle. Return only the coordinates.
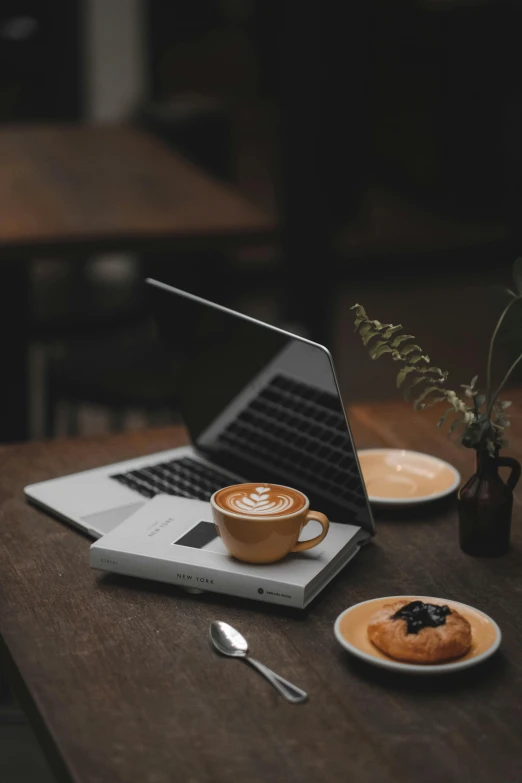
(290, 692)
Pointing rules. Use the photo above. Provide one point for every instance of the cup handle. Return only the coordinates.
(301, 546)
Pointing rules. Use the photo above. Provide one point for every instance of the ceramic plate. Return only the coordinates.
(395, 477)
(351, 632)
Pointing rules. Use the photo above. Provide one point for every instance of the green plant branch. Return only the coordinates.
(501, 385)
(480, 419)
(416, 370)
(489, 405)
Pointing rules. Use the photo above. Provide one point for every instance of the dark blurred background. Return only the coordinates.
(377, 144)
(340, 152)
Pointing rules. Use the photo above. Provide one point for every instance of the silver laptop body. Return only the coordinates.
(259, 404)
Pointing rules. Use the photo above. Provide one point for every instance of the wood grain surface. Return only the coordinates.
(124, 686)
(101, 187)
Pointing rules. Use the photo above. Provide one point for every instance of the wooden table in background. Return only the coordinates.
(121, 685)
(80, 189)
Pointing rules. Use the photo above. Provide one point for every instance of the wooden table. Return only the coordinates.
(121, 685)
(102, 188)
(98, 189)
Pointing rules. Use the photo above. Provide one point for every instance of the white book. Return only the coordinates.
(172, 539)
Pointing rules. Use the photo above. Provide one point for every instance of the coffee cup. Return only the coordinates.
(261, 523)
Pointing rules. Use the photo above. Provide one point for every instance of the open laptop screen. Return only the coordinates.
(262, 403)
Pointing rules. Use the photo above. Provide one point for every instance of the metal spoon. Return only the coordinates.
(229, 642)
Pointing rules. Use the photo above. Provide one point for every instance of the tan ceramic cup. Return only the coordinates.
(266, 539)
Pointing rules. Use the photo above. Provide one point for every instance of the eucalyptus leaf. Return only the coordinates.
(492, 449)
(410, 348)
(438, 371)
(401, 377)
(413, 359)
(427, 391)
(455, 424)
(434, 401)
(401, 339)
(380, 342)
(500, 414)
(430, 403)
(444, 416)
(480, 399)
(470, 438)
(382, 349)
(391, 330)
(416, 358)
(369, 335)
(474, 434)
(365, 328)
(421, 379)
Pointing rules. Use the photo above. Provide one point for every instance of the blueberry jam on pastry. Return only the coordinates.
(419, 615)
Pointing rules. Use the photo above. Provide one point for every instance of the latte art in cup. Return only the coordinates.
(261, 523)
(260, 500)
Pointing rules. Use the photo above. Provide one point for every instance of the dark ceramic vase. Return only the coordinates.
(485, 504)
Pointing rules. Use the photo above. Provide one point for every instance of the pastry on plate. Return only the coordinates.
(416, 632)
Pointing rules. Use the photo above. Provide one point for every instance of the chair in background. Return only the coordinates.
(118, 364)
(124, 372)
(105, 190)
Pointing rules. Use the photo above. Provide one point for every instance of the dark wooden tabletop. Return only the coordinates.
(121, 684)
(64, 187)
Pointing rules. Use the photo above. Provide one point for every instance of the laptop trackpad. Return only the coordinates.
(103, 521)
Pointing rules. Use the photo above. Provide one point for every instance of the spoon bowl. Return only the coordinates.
(227, 640)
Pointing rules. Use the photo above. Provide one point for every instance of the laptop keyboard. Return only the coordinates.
(300, 430)
(290, 426)
(184, 477)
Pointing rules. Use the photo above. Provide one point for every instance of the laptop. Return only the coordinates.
(259, 404)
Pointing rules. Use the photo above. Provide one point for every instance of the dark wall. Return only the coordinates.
(40, 60)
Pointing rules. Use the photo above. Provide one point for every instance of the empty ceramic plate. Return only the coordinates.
(395, 477)
(351, 631)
